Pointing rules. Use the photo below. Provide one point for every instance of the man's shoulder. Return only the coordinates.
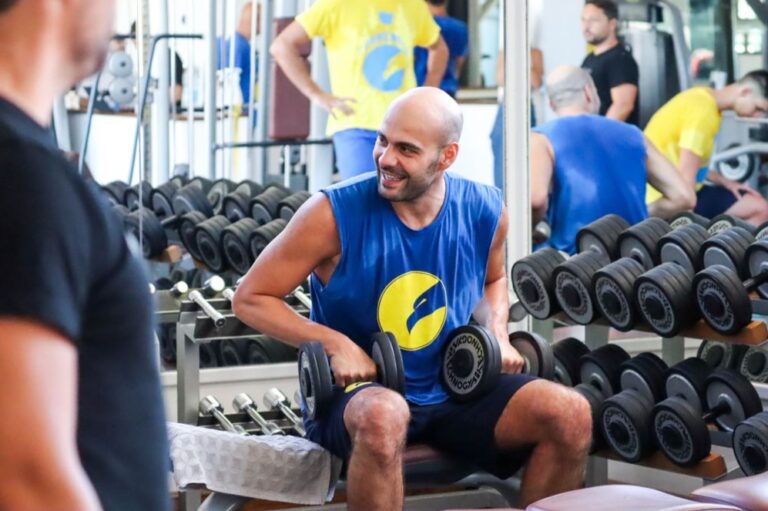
(451, 24)
(470, 186)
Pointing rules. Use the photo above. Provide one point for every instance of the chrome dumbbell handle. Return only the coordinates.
(179, 289)
(209, 405)
(302, 297)
(208, 309)
(244, 403)
(275, 399)
(228, 294)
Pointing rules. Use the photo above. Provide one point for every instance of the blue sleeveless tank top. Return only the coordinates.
(419, 285)
(599, 169)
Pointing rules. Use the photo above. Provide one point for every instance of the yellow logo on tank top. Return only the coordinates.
(413, 307)
(352, 386)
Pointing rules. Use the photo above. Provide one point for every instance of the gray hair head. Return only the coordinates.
(565, 87)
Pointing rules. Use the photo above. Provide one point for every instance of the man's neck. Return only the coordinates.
(571, 111)
(438, 10)
(610, 43)
(421, 212)
(725, 97)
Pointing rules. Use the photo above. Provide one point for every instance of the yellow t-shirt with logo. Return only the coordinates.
(369, 44)
(690, 121)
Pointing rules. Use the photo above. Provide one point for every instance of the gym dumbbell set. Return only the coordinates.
(278, 418)
(649, 273)
(222, 224)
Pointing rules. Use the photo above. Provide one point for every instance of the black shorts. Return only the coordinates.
(712, 200)
(462, 430)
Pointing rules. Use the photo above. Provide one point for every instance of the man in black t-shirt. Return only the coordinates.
(83, 424)
(613, 68)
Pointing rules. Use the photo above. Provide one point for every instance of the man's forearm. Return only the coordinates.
(663, 208)
(274, 317)
(619, 112)
(437, 62)
(297, 71)
(494, 312)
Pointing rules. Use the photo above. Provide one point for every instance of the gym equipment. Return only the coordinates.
(728, 248)
(613, 286)
(472, 360)
(601, 368)
(663, 297)
(687, 218)
(754, 364)
(162, 197)
(639, 242)
(316, 380)
(602, 236)
(681, 429)
(264, 235)
(287, 207)
(115, 191)
(244, 403)
(718, 354)
(750, 444)
(210, 288)
(724, 222)
(131, 196)
(235, 243)
(724, 299)
(302, 297)
(142, 223)
(210, 406)
(684, 246)
(187, 224)
(236, 204)
(208, 240)
(761, 231)
(567, 353)
(264, 207)
(192, 197)
(739, 168)
(625, 418)
(274, 399)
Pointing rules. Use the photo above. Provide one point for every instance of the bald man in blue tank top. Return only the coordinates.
(413, 250)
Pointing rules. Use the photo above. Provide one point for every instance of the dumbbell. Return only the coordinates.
(236, 204)
(219, 189)
(266, 350)
(193, 197)
(144, 224)
(663, 296)
(754, 364)
(264, 206)
(210, 406)
(274, 399)
(288, 207)
(471, 360)
(187, 224)
(625, 418)
(688, 218)
(162, 196)
(244, 403)
(264, 235)
(115, 191)
(684, 246)
(681, 429)
(141, 190)
(718, 354)
(750, 444)
(640, 241)
(210, 288)
(208, 242)
(235, 244)
(545, 282)
(316, 379)
(761, 231)
(724, 299)
(724, 222)
(567, 353)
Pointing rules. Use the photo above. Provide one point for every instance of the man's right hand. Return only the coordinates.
(350, 364)
(335, 105)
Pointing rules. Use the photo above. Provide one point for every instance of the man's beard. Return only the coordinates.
(413, 189)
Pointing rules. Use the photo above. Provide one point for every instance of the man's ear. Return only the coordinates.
(449, 155)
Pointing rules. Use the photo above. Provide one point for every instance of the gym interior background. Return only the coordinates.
(210, 140)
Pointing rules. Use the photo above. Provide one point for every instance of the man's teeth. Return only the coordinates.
(392, 177)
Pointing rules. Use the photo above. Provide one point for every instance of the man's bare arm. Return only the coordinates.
(622, 101)
(286, 50)
(41, 466)
(677, 194)
(542, 168)
(437, 61)
(309, 241)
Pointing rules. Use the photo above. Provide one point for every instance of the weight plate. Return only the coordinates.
(533, 283)
(757, 263)
(314, 379)
(722, 299)
(567, 353)
(729, 388)
(625, 425)
(613, 289)
(754, 365)
(385, 353)
(679, 432)
(750, 444)
(469, 367)
(537, 353)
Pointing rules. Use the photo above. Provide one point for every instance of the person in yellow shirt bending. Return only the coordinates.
(370, 60)
(684, 129)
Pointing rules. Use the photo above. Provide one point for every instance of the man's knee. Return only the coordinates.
(566, 418)
(377, 421)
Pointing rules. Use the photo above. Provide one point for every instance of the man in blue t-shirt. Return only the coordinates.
(456, 37)
(414, 251)
(242, 57)
(585, 166)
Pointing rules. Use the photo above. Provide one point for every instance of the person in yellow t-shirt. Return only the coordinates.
(370, 59)
(684, 129)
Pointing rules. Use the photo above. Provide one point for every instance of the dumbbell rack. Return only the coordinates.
(713, 467)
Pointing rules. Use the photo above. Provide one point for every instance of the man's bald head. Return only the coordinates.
(435, 109)
(566, 86)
